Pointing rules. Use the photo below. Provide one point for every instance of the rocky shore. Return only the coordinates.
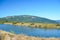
(9, 36)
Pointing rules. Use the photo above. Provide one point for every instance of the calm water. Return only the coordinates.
(31, 31)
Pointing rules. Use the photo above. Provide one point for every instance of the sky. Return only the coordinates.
(43, 8)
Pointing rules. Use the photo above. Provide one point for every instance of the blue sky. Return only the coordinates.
(43, 8)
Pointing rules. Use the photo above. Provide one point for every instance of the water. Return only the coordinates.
(31, 31)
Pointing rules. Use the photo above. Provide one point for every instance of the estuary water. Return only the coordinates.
(38, 32)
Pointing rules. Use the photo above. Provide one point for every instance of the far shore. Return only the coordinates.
(36, 25)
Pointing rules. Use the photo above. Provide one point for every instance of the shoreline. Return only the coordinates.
(9, 36)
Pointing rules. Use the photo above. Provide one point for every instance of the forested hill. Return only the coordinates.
(26, 18)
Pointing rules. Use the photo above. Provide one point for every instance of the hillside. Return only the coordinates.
(58, 21)
(26, 18)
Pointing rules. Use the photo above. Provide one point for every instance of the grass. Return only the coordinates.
(12, 31)
(36, 25)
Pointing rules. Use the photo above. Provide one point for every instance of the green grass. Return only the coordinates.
(12, 31)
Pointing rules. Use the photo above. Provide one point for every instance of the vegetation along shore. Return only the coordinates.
(36, 25)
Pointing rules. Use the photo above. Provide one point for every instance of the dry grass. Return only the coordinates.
(39, 25)
(9, 36)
